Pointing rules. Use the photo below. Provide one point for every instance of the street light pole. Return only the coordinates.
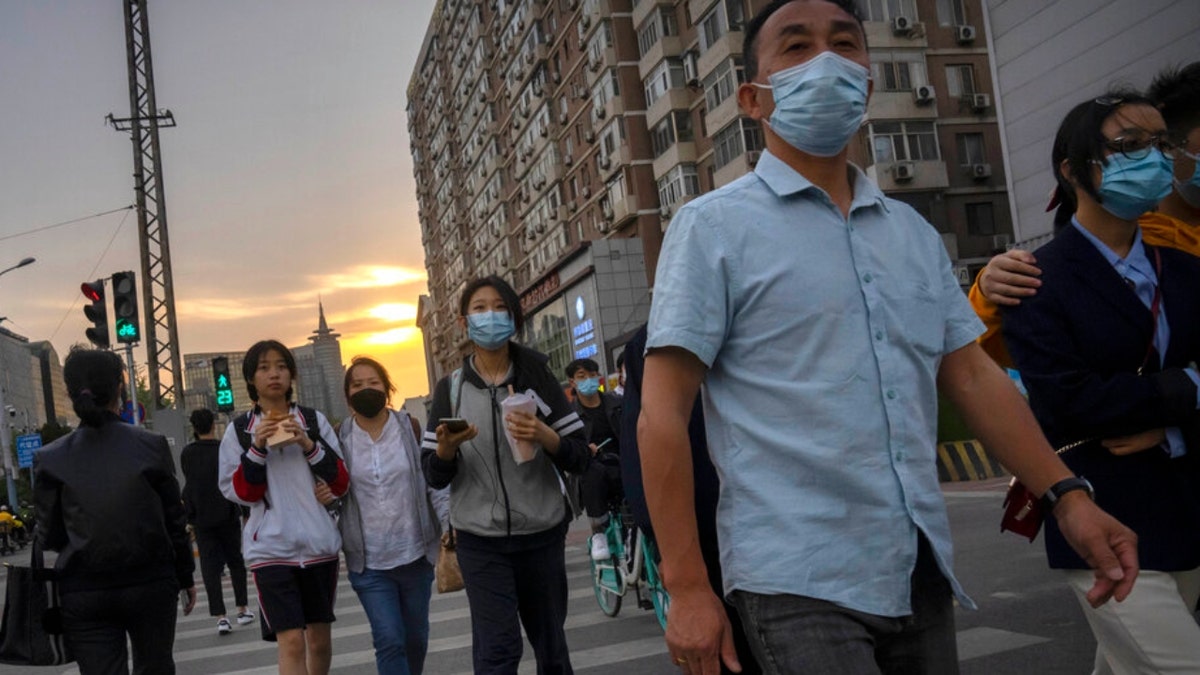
(5, 434)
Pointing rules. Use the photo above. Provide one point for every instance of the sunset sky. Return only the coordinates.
(288, 178)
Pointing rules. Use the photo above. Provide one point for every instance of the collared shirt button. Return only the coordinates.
(891, 393)
(899, 456)
(867, 277)
(878, 335)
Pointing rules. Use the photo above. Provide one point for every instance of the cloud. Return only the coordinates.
(394, 311)
(363, 276)
(235, 309)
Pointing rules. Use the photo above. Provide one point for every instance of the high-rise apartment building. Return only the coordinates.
(538, 126)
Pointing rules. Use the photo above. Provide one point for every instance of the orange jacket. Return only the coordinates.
(1157, 230)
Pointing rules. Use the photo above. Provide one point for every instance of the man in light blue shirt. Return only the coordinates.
(822, 317)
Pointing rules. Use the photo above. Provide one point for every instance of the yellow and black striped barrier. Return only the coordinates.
(966, 460)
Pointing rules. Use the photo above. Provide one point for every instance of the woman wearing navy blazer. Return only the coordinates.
(1107, 349)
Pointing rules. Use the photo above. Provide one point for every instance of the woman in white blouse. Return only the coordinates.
(391, 520)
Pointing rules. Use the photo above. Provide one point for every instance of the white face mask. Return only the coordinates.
(819, 104)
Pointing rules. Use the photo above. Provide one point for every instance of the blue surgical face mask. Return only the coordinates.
(1131, 187)
(490, 330)
(1190, 189)
(819, 104)
(588, 387)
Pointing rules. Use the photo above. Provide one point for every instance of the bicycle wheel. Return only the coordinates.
(658, 593)
(605, 583)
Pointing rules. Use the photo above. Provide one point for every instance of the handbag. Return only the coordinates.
(31, 632)
(1023, 510)
(446, 572)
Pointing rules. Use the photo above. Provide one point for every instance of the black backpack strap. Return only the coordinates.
(311, 425)
(240, 423)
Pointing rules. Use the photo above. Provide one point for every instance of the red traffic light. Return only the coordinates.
(93, 290)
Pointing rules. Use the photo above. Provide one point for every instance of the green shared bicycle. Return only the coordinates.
(634, 564)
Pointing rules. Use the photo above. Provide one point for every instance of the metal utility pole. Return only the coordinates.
(158, 291)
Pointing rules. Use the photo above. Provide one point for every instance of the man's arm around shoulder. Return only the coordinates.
(1003, 422)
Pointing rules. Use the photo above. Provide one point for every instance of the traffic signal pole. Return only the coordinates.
(133, 399)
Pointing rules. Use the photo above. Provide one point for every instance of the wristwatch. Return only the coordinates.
(1064, 486)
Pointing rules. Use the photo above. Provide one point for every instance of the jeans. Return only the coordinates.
(795, 634)
(397, 605)
(96, 623)
(219, 547)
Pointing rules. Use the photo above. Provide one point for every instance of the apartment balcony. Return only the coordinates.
(719, 117)
(600, 116)
(740, 166)
(893, 34)
(644, 8)
(600, 9)
(597, 66)
(674, 99)
(910, 175)
(728, 45)
(624, 210)
(900, 105)
(697, 8)
(671, 45)
(607, 165)
(679, 153)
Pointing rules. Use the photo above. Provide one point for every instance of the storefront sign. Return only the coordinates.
(540, 293)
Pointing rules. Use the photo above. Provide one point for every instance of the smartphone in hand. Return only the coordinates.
(454, 424)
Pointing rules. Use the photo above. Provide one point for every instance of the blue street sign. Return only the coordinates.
(127, 412)
(26, 446)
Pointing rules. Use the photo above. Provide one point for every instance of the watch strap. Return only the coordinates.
(1064, 486)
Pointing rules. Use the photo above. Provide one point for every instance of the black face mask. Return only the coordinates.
(368, 402)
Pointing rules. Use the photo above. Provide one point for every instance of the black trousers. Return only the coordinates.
(507, 579)
(221, 546)
(600, 484)
(96, 623)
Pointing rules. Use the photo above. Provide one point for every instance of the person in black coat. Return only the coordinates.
(216, 522)
(107, 500)
(1107, 350)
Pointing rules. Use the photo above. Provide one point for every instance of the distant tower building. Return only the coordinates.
(321, 371)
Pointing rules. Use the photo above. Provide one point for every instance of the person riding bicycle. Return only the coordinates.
(601, 415)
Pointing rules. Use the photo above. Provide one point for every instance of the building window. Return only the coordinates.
(741, 136)
(726, 16)
(666, 75)
(681, 181)
(886, 10)
(981, 219)
(674, 127)
(660, 24)
(951, 13)
(899, 141)
(898, 71)
(970, 149)
(723, 82)
(960, 80)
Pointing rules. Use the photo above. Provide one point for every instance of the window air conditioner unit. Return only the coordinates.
(604, 162)
(568, 159)
(923, 93)
(902, 25)
(903, 171)
(563, 118)
(981, 170)
(555, 78)
(963, 274)
(1001, 242)
(581, 93)
(599, 113)
(664, 211)
(593, 64)
(529, 57)
(607, 212)
(541, 227)
(965, 34)
(482, 97)
(981, 101)
(586, 191)
(589, 136)
(571, 206)
(545, 131)
(585, 21)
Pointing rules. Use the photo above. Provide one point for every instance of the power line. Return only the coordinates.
(66, 222)
(128, 210)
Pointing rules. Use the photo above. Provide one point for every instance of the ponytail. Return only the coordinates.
(94, 378)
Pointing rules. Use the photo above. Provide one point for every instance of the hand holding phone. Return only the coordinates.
(454, 425)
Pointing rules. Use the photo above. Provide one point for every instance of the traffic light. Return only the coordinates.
(125, 307)
(96, 312)
(224, 389)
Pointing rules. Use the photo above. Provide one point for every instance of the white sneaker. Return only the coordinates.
(224, 627)
(245, 617)
(600, 547)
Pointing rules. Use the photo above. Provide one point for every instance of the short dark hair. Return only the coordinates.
(202, 420)
(1176, 92)
(255, 354)
(1080, 143)
(370, 363)
(94, 378)
(750, 41)
(586, 365)
(511, 300)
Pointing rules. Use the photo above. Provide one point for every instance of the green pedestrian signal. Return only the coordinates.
(221, 384)
(125, 307)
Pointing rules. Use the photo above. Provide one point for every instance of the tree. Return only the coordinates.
(146, 398)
